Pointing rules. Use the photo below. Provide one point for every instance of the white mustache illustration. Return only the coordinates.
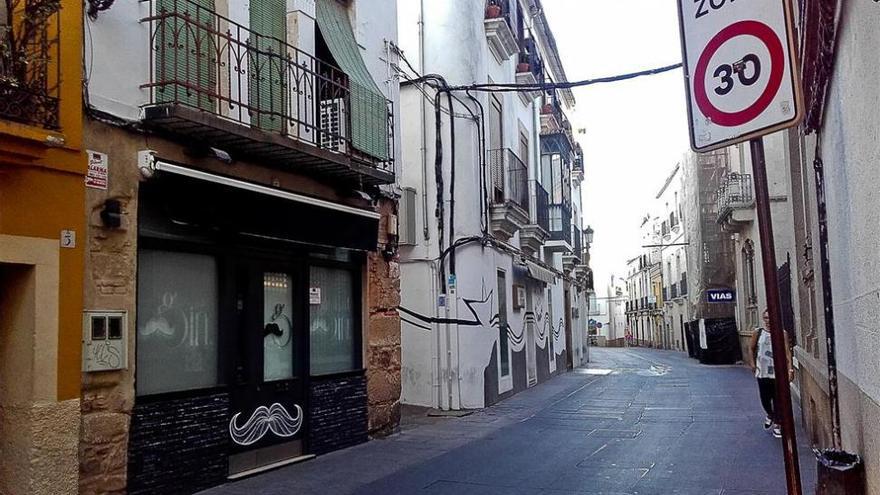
(274, 418)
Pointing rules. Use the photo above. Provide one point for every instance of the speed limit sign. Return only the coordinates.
(739, 69)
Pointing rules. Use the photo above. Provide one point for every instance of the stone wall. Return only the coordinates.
(383, 329)
(109, 284)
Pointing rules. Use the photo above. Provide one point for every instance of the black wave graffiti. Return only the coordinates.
(494, 322)
(541, 318)
(475, 322)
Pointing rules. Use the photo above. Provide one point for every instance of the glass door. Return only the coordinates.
(268, 410)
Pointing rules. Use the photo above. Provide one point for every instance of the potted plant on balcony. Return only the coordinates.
(523, 65)
(25, 60)
(493, 10)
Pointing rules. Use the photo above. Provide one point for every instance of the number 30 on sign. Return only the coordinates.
(740, 70)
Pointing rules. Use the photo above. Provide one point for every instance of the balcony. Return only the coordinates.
(219, 84)
(30, 52)
(509, 201)
(577, 166)
(735, 199)
(499, 30)
(537, 232)
(529, 70)
(560, 228)
(552, 116)
(573, 258)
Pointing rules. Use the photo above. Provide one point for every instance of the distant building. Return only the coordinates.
(673, 261)
(711, 330)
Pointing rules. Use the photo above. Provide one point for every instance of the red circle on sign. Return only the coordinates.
(777, 63)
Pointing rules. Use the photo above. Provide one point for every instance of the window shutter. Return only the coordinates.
(268, 65)
(185, 53)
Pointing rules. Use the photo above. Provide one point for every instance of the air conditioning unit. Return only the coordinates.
(333, 125)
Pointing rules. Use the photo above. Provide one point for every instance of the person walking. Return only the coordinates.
(761, 363)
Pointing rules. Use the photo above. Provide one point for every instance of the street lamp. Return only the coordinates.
(588, 235)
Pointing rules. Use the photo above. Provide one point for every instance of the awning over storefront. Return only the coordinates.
(182, 201)
(369, 111)
(540, 273)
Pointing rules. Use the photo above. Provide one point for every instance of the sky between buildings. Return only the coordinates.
(636, 130)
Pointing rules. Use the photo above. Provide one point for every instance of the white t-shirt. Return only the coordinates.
(764, 367)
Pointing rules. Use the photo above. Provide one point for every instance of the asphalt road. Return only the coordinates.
(637, 421)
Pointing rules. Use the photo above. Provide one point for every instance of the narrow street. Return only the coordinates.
(637, 421)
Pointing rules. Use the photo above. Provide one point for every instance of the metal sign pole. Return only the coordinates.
(782, 405)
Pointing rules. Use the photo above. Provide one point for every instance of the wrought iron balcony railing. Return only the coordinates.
(211, 66)
(734, 192)
(30, 64)
(542, 206)
(529, 55)
(510, 178)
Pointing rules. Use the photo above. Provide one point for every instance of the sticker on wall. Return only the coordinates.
(98, 171)
(274, 418)
(314, 295)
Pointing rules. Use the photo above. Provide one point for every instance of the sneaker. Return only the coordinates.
(777, 431)
(768, 423)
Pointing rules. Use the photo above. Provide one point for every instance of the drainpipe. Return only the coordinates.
(827, 299)
(423, 112)
(454, 378)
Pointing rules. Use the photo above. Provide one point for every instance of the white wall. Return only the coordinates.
(455, 46)
(117, 59)
(851, 154)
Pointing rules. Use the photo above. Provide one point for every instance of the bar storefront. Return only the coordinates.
(249, 329)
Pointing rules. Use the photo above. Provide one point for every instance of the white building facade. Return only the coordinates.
(492, 268)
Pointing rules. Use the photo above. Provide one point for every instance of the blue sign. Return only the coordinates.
(721, 295)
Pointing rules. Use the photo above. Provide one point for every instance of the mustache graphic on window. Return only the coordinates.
(264, 419)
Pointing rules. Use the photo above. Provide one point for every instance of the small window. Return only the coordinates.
(99, 327)
(115, 327)
(335, 346)
(177, 322)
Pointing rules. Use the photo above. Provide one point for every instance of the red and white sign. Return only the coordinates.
(740, 71)
(96, 175)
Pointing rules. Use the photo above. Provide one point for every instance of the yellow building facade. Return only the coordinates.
(42, 172)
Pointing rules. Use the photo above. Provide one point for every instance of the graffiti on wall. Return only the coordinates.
(274, 418)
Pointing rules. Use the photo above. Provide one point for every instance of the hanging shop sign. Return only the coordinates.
(720, 296)
(740, 70)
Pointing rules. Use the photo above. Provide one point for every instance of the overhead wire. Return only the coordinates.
(440, 85)
(513, 87)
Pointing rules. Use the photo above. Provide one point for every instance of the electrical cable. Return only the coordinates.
(501, 87)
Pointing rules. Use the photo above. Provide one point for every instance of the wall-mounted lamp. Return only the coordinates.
(588, 235)
(111, 214)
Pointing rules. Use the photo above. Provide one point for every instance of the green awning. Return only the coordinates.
(369, 111)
